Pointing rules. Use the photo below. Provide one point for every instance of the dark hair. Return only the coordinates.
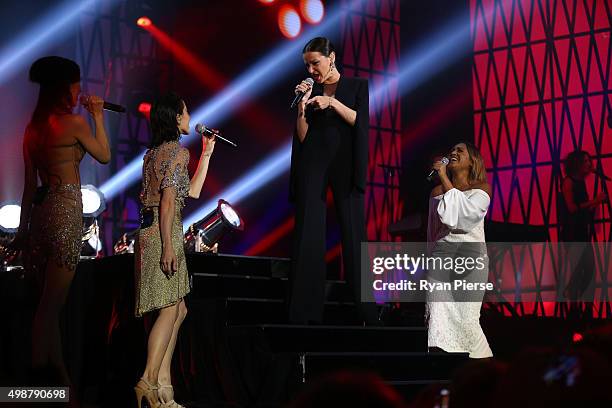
(164, 127)
(54, 75)
(573, 161)
(478, 172)
(319, 44)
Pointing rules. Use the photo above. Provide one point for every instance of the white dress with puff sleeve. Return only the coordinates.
(457, 216)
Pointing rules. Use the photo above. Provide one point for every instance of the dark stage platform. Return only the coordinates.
(236, 347)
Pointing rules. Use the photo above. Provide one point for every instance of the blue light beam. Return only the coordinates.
(438, 52)
(251, 83)
(266, 171)
(47, 30)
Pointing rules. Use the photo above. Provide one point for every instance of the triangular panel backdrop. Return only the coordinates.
(541, 80)
(370, 32)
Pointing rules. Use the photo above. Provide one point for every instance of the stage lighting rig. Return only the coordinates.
(9, 217)
(94, 204)
(203, 235)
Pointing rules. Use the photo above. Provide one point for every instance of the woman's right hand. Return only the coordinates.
(440, 167)
(93, 104)
(169, 262)
(307, 89)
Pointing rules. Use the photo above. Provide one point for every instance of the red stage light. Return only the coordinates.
(289, 21)
(266, 2)
(144, 108)
(577, 338)
(144, 22)
(312, 10)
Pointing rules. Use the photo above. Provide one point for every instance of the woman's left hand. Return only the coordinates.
(320, 102)
(209, 145)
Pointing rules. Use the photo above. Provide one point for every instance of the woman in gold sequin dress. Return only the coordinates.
(160, 270)
(51, 222)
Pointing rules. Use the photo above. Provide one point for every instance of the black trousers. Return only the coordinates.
(317, 170)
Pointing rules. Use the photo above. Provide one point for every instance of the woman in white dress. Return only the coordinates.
(457, 208)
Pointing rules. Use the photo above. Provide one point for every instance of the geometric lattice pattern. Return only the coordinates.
(541, 79)
(370, 44)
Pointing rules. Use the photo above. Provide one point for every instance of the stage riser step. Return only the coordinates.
(239, 265)
(221, 286)
(390, 366)
(292, 338)
(254, 311)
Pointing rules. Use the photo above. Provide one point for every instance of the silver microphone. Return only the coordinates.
(208, 132)
(444, 161)
(300, 95)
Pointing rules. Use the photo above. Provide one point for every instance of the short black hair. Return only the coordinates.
(53, 70)
(319, 44)
(54, 75)
(164, 127)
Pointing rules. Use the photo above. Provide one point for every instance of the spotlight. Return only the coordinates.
(289, 21)
(312, 11)
(202, 235)
(94, 203)
(144, 22)
(9, 217)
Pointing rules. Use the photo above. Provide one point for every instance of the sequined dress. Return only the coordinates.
(164, 166)
(56, 220)
(56, 228)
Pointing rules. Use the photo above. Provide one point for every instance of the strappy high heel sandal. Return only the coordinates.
(146, 396)
(172, 403)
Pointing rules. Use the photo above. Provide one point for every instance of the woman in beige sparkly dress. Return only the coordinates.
(161, 270)
(51, 224)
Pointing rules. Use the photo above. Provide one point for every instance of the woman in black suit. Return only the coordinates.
(330, 148)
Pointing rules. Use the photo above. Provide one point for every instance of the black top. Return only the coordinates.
(576, 226)
(353, 93)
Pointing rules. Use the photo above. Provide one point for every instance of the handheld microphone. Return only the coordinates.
(300, 95)
(113, 107)
(203, 130)
(444, 161)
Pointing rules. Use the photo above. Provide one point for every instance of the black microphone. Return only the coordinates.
(113, 107)
(444, 160)
(300, 95)
(203, 130)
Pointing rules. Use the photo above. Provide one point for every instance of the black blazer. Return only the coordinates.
(354, 93)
